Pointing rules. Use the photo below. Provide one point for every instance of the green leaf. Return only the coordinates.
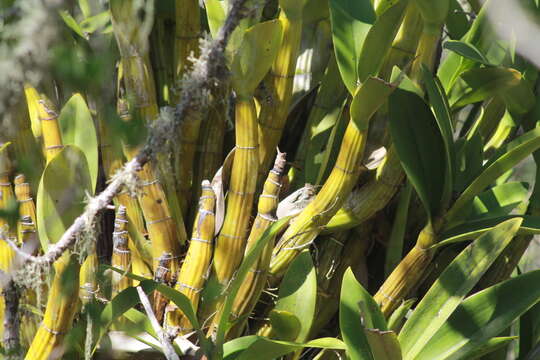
(441, 110)
(96, 22)
(351, 21)
(457, 23)
(249, 260)
(490, 346)
(499, 200)
(483, 83)
(466, 50)
(293, 8)
(395, 321)
(255, 56)
(472, 229)
(379, 40)
(384, 344)
(452, 286)
(72, 24)
(119, 305)
(529, 331)
(284, 324)
(263, 348)
(298, 293)
(350, 318)
(367, 99)
(420, 147)
(61, 194)
(77, 127)
(522, 147)
(482, 316)
(216, 14)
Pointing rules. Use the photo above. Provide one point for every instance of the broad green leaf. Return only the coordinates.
(525, 145)
(472, 229)
(351, 21)
(379, 40)
(433, 12)
(490, 346)
(384, 344)
(263, 348)
(395, 321)
(119, 305)
(350, 318)
(298, 293)
(77, 127)
(255, 56)
(420, 147)
(441, 110)
(483, 83)
(367, 99)
(284, 324)
(137, 317)
(293, 8)
(452, 286)
(62, 194)
(249, 260)
(457, 23)
(466, 50)
(483, 316)
(498, 201)
(216, 13)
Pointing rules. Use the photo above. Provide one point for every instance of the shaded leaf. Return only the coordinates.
(419, 145)
(285, 324)
(452, 286)
(298, 293)
(466, 50)
(482, 316)
(384, 344)
(61, 194)
(77, 127)
(351, 21)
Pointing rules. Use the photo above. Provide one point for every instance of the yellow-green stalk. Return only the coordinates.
(273, 113)
(196, 265)
(255, 281)
(162, 275)
(166, 233)
(88, 282)
(373, 196)
(301, 233)
(27, 207)
(365, 202)
(188, 29)
(52, 136)
(231, 241)
(61, 307)
(121, 255)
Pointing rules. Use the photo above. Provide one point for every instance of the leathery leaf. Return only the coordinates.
(452, 286)
(255, 55)
(62, 193)
(78, 129)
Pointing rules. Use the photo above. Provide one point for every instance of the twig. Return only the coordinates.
(168, 349)
(11, 321)
(207, 72)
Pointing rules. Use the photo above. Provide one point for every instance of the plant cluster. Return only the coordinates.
(281, 179)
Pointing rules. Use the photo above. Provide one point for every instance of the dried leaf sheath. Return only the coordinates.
(121, 256)
(255, 281)
(231, 241)
(196, 265)
(61, 308)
